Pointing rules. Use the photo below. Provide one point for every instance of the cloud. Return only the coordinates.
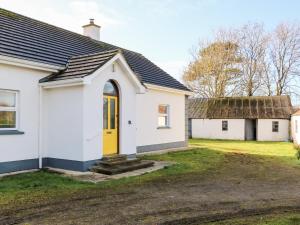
(71, 14)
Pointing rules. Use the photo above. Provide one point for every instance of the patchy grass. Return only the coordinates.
(43, 185)
(276, 219)
(207, 155)
(283, 151)
(40, 185)
(240, 167)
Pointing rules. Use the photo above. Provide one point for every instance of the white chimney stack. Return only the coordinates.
(92, 30)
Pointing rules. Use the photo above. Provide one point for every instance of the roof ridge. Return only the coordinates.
(96, 53)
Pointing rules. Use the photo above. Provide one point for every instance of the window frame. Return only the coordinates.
(273, 126)
(11, 109)
(167, 115)
(225, 121)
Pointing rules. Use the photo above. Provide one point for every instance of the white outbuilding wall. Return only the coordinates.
(149, 135)
(295, 129)
(265, 133)
(25, 81)
(212, 129)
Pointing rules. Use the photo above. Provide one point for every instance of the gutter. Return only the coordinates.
(29, 64)
(64, 83)
(166, 89)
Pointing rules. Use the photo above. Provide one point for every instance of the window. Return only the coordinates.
(296, 126)
(275, 126)
(8, 110)
(163, 117)
(224, 125)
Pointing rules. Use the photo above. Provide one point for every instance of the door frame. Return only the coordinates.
(118, 114)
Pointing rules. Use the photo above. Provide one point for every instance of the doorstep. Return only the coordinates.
(97, 177)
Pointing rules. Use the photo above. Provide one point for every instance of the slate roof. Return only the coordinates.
(257, 107)
(82, 66)
(26, 38)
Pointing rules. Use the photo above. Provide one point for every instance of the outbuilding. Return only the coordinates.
(295, 123)
(265, 118)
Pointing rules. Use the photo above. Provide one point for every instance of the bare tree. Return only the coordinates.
(285, 57)
(213, 73)
(267, 80)
(252, 42)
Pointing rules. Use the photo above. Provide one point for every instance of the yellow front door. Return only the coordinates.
(110, 125)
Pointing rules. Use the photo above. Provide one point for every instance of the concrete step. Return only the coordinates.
(112, 158)
(118, 162)
(121, 168)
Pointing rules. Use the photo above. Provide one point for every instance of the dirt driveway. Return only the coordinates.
(245, 185)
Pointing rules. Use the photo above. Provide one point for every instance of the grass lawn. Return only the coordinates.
(283, 151)
(206, 157)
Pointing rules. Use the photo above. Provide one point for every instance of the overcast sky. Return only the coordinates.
(162, 30)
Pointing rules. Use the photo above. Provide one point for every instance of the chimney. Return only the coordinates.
(92, 30)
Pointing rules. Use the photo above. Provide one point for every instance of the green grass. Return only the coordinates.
(276, 219)
(283, 151)
(33, 186)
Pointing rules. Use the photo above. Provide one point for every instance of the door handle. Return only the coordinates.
(108, 132)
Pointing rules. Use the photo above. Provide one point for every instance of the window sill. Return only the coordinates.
(11, 132)
(163, 128)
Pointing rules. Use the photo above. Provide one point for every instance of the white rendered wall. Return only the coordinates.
(21, 147)
(63, 123)
(295, 136)
(212, 129)
(264, 130)
(147, 118)
(93, 113)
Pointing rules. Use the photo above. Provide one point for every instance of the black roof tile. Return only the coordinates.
(26, 38)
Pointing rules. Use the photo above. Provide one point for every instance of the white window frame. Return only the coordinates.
(11, 109)
(163, 115)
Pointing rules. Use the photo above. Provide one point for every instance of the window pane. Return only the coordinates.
(112, 114)
(110, 88)
(275, 126)
(162, 121)
(105, 113)
(224, 125)
(162, 109)
(7, 119)
(7, 99)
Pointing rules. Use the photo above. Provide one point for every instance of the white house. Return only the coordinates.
(295, 123)
(66, 99)
(264, 118)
